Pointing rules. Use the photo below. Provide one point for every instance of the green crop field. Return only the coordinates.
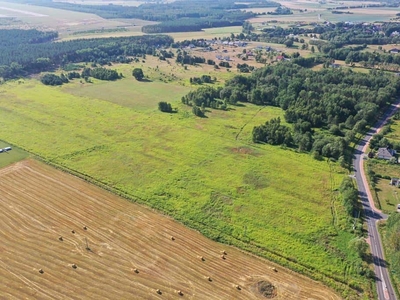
(207, 33)
(318, 12)
(45, 18)
(205, 172)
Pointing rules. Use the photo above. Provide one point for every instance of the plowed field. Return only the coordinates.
(112, 239)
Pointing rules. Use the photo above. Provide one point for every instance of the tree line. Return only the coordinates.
(22, 57)
(98, 73)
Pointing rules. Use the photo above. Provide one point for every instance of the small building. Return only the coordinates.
(335, 66)
(280, 58)
(395, 181)
(394, 50)
(386, 153)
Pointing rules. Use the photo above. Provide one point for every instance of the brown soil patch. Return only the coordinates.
(243, 150)
(267, 289)
(119, 250)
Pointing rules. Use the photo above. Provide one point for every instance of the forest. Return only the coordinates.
(178, 16)
(326, 108)
(26, 55)
(343, 33)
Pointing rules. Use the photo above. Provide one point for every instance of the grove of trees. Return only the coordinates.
(32, 51)
(340, 103)
(138, 74)
(165, 107)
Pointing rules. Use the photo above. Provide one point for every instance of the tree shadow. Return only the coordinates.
(377, 261)
(239, 105)
(146, 80)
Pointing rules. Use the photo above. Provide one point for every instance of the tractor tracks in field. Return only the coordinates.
(245, 124)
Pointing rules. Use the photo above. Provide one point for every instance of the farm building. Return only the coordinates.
(395, 181)
(394, 50)
(386, 153)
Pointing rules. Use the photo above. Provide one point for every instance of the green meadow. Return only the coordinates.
(204, 172)
(12, 156)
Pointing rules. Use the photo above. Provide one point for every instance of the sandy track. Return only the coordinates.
(24, 12)
(38, 204)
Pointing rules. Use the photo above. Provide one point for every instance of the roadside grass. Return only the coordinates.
(204, 172)
(10, 157)
(395, 277)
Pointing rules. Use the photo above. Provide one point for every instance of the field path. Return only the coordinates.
(39, 204)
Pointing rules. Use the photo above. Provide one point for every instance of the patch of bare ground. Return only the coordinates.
(64, 238)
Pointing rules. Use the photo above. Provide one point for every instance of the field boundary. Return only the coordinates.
(250, 248)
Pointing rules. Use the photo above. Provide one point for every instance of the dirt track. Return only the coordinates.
(39, 204)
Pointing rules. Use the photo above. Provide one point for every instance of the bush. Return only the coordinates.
(138, 74)
(165, 106)
(52, 79)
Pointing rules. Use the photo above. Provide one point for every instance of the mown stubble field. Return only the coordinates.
(40, 204)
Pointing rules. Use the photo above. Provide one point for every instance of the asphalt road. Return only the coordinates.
(372, 214)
